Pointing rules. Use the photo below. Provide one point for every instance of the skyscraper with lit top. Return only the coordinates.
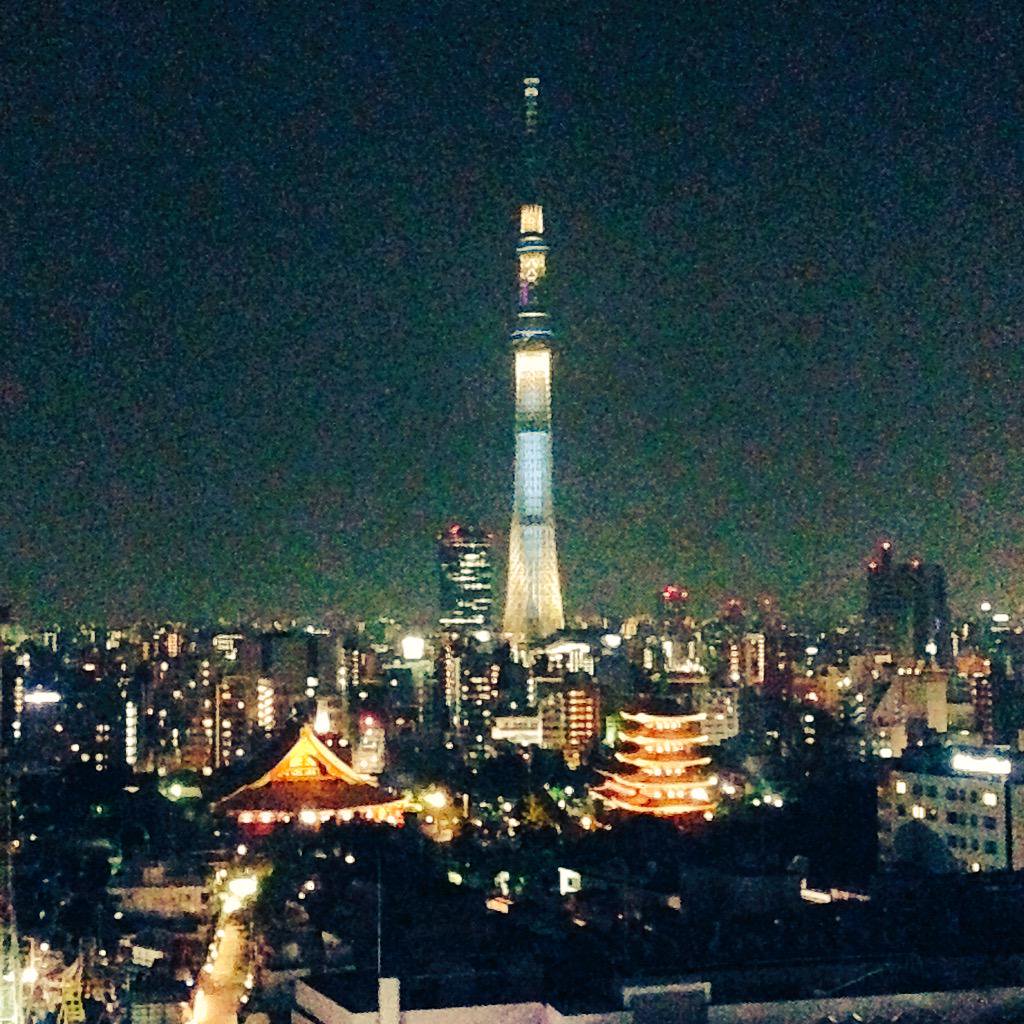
(533, 603)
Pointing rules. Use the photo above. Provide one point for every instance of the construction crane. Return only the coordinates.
(11, 1002)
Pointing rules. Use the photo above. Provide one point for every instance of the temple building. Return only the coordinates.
(663, 769)
(310, 785)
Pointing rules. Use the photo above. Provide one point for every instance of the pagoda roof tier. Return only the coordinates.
(650, 759)
(641, 784)
(622, 796)
(662, 721)
(309, 781)
(660, 809)
(674, 739)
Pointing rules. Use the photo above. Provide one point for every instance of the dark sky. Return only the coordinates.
(258, 273)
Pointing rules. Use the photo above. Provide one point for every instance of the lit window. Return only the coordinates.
(917, 811)
(901, 786)
(989, 799)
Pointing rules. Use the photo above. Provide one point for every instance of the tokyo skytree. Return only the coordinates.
(533, 602)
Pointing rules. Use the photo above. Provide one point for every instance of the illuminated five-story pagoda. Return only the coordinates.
(533, 603)
(662, 771)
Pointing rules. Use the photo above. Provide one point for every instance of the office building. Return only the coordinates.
(907, 613)
(953, 809)
(466, 579)
(476, 702)
(570, 716)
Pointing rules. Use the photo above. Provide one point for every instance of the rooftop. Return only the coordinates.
(357, 991)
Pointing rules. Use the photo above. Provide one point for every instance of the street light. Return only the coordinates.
(243, 886)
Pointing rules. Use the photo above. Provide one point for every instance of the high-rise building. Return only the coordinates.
(721, 707)
(930, 629)
(533, 604)
(478, 699)
(754, 650)
(570, 716)
(907, 614)
(466, 578)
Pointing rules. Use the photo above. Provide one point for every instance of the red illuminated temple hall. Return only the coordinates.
(663, 769)
(309, 786)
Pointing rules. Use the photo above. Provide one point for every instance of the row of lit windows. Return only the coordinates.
(921, 813)
(988, 798)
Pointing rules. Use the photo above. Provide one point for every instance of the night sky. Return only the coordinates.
(258, 274)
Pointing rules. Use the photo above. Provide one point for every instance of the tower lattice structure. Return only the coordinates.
(663, 770)
(533, 603)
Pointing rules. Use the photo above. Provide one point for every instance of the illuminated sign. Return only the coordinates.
(569, 881)
(981, 764)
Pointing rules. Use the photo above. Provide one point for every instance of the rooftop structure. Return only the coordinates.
(356, 998)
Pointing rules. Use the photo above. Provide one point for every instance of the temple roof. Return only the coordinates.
(309, 776)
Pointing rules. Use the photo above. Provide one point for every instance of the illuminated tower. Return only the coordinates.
(533, 603)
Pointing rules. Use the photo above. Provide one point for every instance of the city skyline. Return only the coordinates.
(322, 323)
(259, 318)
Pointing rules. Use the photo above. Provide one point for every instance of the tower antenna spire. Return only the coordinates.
(531, 157)
(531, 90)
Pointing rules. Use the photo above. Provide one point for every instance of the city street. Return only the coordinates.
(220, 990)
